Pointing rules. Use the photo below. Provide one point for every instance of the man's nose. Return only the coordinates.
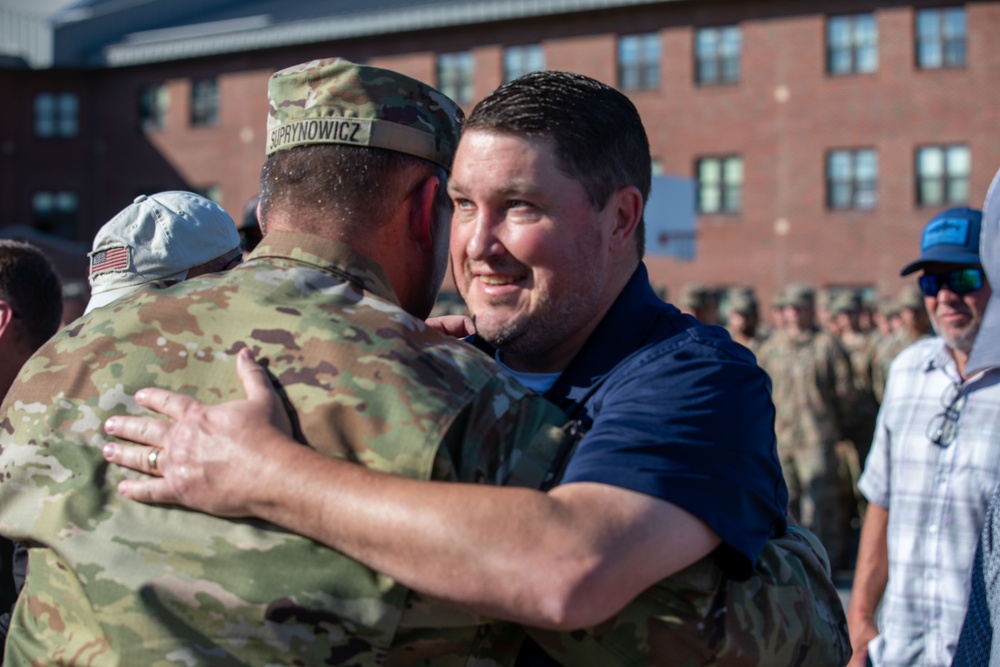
(484, 240)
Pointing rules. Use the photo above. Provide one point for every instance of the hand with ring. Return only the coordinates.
(153, 459)
(204, 457)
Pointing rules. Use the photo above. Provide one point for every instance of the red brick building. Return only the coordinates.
(821, 136)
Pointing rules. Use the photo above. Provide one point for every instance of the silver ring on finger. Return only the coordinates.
(153, 458)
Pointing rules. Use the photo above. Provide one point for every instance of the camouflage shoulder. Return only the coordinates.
(507, 435)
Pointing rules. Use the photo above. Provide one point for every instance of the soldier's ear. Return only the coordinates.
(422, 211)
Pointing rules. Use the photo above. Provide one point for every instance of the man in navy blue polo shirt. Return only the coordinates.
(663, 534)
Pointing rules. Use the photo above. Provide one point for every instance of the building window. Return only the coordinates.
(204, 103)
(943, 175)
(521, 60)
(639, 62)
(852, 179)
(720, 184)
(55, 213)
(153, 107)
(717, 53)
(57, 115)
(941, 38)
(454, 76)
(851, 44)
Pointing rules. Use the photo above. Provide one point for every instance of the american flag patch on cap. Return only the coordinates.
(115, 258)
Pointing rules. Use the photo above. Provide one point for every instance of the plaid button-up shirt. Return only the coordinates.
(936, 494)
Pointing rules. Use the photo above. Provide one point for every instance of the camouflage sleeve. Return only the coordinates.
(786, 613)
(842, 395)
(500, 432)
(505, 434)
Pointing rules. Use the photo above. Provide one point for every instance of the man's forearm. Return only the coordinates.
(872, 570)
(560, 560)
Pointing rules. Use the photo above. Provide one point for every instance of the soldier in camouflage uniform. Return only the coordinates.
(846, 309)
(571, 312)
(860, 347)
(700, 301)
(914, 325)
(822, 315)
(743, 319)
(113, 582)
(813, 390)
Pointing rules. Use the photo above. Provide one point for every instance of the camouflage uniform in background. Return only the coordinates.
(813, 392)
(887, 348)
(698, 300)
(113, 582)
(860, 348)
(743, 302)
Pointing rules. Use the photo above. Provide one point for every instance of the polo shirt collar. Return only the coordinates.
(627, 325)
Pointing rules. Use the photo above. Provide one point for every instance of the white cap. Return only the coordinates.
(157, 237)
(986, 349)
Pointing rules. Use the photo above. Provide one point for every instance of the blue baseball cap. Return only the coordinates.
(951, 237)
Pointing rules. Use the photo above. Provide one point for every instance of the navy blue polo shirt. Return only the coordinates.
(677, 410)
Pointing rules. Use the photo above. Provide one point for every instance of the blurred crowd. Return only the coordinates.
(828, 353)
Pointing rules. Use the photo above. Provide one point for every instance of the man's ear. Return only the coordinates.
(626, 206)
(421, 225)
(6, 319)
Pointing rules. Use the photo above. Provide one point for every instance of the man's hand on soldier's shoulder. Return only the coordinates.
(206, 457)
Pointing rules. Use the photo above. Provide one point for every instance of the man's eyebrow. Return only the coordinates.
(520, 189)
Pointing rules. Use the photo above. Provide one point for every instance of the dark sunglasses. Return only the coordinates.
(961, 281)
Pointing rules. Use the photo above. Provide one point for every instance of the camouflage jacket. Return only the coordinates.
(885, 350)
(114, 582)
(813, 389)
(860, 349)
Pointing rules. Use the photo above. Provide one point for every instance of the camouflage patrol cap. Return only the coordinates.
(910, 297)
(694, 295)
(823, 298)
(888, 306)
(335, 101)
(845, 302)
(742, 300)
(799, 295)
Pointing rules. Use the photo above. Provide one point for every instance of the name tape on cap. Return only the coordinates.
(349, 131)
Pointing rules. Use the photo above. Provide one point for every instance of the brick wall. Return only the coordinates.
(782, 118)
